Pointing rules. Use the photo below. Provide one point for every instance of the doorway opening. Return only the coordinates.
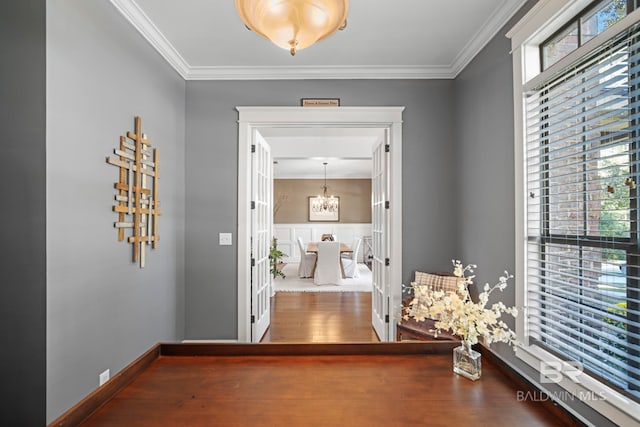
(311, 165)
(335, 164)
(256, 120)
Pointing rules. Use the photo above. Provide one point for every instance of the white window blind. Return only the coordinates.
(582, 156)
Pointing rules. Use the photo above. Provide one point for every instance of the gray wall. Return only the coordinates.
(103, 311)
(23, 234)
(485, 158)
(485, 154)
(212, 169)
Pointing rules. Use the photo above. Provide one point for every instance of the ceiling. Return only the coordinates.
(384, 39)
(300, 152)
(313, 168)
(415, 39)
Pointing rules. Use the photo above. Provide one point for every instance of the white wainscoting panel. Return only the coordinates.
(287, 235)
(286, 241)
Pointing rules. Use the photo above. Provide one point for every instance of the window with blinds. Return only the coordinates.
(582, 261)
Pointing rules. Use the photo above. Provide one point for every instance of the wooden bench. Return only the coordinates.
(422, 331)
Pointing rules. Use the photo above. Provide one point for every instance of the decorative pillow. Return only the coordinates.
(437, 282)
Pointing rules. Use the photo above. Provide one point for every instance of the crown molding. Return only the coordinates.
(320, 72)
(489, 29)
(145, 26)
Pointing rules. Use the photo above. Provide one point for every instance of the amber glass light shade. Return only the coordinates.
(294, 24)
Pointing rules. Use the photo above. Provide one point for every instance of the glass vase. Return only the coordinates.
(467, 362)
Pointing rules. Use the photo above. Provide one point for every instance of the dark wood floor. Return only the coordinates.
(320, 317)
(276, 384)
(299, 388)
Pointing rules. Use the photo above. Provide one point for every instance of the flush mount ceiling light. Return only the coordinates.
(294, 24)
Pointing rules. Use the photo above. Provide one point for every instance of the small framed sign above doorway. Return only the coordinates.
(320, 102)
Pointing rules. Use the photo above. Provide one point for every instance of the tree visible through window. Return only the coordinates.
(582, 156)
(583, 28)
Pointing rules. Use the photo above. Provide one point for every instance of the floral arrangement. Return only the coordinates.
(456, 312)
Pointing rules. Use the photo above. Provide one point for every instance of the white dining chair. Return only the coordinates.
(307, 260)
(328, 270)
(350, 261)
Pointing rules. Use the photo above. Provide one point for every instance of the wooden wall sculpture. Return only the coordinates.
(137, 197)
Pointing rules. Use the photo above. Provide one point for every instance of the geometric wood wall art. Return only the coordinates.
(137, 197)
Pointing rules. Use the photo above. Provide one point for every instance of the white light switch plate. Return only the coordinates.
(225, 239)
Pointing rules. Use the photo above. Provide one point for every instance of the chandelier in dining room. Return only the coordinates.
(325, 203)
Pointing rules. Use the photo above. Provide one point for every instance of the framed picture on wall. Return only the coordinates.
(323, 209)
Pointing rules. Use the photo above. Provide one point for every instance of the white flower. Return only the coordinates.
(456, 312)
(458, 270)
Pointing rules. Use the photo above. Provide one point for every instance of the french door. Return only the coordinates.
(261, 192)
(379, 233)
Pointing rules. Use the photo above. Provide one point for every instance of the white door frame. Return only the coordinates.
(251, 120)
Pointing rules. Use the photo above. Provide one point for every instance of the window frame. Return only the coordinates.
(577, 20)
(544, 20)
